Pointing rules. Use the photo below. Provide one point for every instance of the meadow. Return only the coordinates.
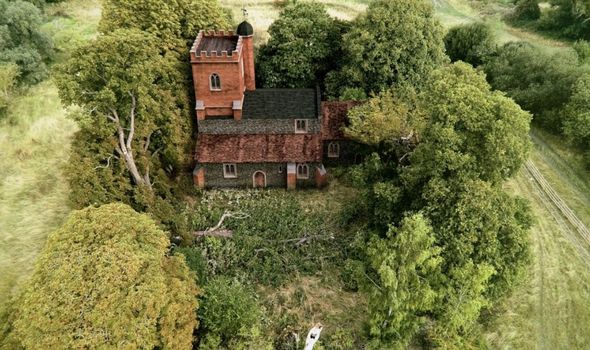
(548, 311)
(34, 145)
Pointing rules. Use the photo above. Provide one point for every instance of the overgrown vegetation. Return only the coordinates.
(429, 241)
(104, 279)
(563, 18)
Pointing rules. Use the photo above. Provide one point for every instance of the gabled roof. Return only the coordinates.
(281, 104)
(298, 148)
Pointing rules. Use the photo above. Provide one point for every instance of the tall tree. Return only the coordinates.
(473, 139)
(304, 44)
(21, 40)
(407, 263)
(393, 42)
(176, 23)
(105, 280)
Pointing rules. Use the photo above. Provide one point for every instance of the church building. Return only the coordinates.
(249, 137)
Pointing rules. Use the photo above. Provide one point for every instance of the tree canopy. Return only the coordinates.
(539, 82)
(133, 133)
(21, 40)
(304, 44)
(407, 263)
(176, 23)
(393, 42)
(105, 279)
(471, 43)
(472, 139)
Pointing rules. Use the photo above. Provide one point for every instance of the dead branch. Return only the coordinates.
(108, 162)
(302, 240)
(216, 231)
(132, 122)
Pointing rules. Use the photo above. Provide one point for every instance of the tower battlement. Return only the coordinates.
(216, 46)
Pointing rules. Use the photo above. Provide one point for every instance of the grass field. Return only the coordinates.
(34, 143)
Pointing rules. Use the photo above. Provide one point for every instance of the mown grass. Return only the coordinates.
(34, 144)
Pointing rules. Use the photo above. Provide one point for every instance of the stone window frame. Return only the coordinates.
(333, 150)
(302, 175)
(301, 129)
(227, 171)
(215, 82)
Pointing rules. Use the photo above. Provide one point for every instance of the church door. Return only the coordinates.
(259, 179)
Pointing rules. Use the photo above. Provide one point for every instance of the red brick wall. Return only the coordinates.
(248, 56)
(232, 86)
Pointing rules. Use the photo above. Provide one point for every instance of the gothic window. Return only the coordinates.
(229, 171)
(300, 126)
(215, 82)
(333, 150)
(302, 171)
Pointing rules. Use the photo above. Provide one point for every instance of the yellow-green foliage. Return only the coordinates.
(170, 21)
(104, 280)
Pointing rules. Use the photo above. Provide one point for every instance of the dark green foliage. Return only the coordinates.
(230, 316)
(472, 141)
(539, 82)
(119, 82)
(304, 45)
(393, 42)
(278, 237)
(527, 10)
(105, 279)
(576, 116)
(21, 41)
(471, 43)
(175, 23)
(564, 18)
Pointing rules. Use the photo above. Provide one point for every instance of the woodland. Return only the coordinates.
(421, 245)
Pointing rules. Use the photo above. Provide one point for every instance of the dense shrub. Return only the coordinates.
(22, 42)
(538, 81)
(471, 43)
(230, 316)
(527, 10)
(105, 279)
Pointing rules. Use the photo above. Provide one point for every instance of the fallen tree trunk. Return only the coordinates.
(215, 233)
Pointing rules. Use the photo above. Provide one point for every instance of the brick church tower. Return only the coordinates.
(223, 68)
(250, 137)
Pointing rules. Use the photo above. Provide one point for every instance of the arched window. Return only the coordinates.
(333, 150)
(302, 171)
(215, 82)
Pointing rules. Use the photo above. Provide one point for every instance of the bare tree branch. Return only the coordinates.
(132, 122)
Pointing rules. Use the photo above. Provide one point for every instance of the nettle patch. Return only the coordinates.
(274, 236)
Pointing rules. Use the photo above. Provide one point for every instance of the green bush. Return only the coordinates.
(527, 10)
(471, 43)
(22, 42)
(229, 311)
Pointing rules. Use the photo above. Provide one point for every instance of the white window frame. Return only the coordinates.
(215, 85)
(333, 150)
(301, 130)
(303, 176)
(227, 174)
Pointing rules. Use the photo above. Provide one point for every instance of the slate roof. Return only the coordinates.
(298, 148)
(281, 104)
(217, 43)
